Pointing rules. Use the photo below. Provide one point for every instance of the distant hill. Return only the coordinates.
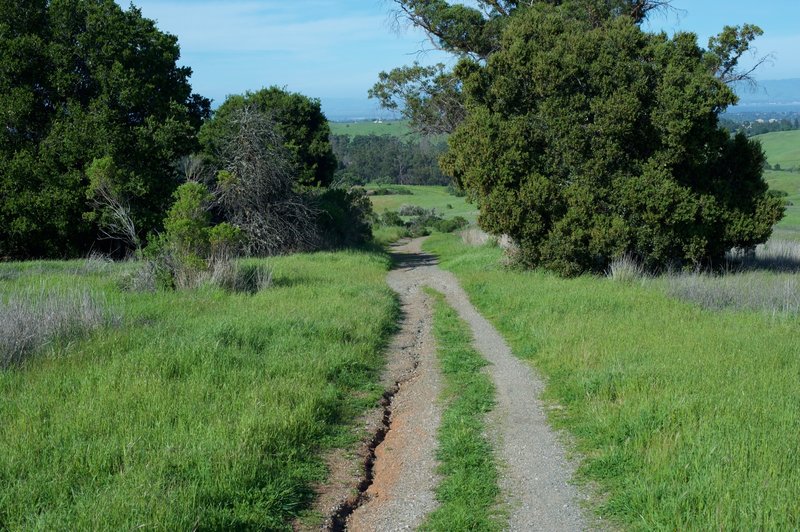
(782, 147)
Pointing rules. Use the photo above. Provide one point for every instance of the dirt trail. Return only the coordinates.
(535, 473)
(404, 471)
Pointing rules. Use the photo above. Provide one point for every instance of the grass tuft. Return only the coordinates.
(468, 491)
(626, 269)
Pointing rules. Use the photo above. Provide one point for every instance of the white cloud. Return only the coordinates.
(247, 26)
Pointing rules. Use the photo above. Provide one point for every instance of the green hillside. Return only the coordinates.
(398, 128)
(782, 147)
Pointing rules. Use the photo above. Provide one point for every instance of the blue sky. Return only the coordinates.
(334, 49)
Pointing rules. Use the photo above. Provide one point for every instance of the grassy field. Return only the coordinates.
(788, 182)
(687, 418)
(398, 128)
(782, 147)
(428, 197)
(468, 492)
(200, 409)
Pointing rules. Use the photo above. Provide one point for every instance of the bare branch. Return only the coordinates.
(255, 188)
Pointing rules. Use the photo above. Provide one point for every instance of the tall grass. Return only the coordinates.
(36, 316)
(206, 409)
(775, 255)
(687, 419)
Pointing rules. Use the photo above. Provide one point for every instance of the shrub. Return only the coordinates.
(182, 256)
(343, 219)
(450, 225)
(412, 210)
(392, 219)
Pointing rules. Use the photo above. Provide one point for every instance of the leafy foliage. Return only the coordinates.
(585, 143)
(430, 97)
(299, 121)
(81, 80)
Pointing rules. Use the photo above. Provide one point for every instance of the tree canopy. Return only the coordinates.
(585, 142)
(299, 120)
(430, 96)
(82, 80)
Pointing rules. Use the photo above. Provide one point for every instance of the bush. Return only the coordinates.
(183, 255)
(412, 210)
(394, 191)
(450, 225)
(391, 218)
(343, 219)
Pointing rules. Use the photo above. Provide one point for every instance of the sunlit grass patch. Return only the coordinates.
(205, 409)
(686, 417)
(469, 489)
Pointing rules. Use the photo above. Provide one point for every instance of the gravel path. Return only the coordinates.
(404, 474)
(535, 473)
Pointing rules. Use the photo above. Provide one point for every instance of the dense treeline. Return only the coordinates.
(82, 80)
(101, 128)
(751, 128)
(389, 159)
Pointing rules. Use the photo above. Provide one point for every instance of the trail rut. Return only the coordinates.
(535, 472)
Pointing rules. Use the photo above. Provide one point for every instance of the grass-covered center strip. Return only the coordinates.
(687, 418)
(468, 491)
(200, 409)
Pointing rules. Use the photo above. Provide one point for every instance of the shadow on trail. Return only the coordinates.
(412, 260)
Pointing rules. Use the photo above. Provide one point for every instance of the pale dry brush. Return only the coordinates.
(258, 194)
(31, 318)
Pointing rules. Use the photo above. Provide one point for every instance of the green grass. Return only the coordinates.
(203, 409)
(468, 491)
(687, 419)
(397, 128)
(788, 182)
(782, 147)
(428, 197)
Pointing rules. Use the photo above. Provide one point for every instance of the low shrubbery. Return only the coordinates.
(390, 191)
(422, 221)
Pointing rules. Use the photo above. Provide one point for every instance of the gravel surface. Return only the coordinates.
(535, 473)
(401, 494)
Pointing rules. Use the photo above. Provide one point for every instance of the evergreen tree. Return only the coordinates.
(82, 80)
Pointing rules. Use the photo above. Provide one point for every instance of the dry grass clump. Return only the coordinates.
(626, 269)
(775, 294)
(229, 274)
(474, 236)
(775, 255)
(32, 318)
(95, 263)
(237, 276)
